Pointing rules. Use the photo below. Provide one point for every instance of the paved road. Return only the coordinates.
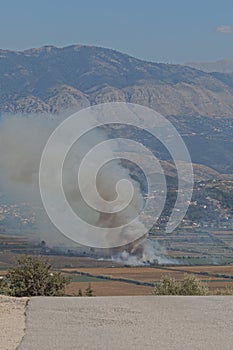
(129, 323)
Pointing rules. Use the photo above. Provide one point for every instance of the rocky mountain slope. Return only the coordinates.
(51, 78)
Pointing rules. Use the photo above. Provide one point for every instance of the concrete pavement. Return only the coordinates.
(113, 323)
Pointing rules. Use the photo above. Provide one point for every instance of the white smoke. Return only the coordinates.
(146, 252)
(22, 140)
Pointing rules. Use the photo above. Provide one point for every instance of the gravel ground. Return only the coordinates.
(129, 323)
(12, 321)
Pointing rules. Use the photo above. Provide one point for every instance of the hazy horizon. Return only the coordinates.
(159, 31)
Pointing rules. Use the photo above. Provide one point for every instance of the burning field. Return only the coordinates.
(113, 278)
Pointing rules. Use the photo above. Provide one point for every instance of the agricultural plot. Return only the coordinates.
(211, 269)
(109, 288)
(138, 280)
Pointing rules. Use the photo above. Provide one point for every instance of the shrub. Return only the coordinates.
(190, 285)
(224, 291)
(167, 286)
(33, 277)
(89, 291)
(80, 293)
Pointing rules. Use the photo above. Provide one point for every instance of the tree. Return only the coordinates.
(43, 244)
(33, 277)
(190, 285)
(193, 286)
(167, 286)
(89, 291)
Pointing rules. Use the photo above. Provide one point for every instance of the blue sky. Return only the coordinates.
(173, 31)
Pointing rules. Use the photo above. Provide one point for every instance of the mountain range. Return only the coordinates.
(51, 79)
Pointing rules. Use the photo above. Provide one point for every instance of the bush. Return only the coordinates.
(89, 291)
(224, 291)
(193, 286)
(80, 293)
(167, 286)
(189, 286)
(33, 277)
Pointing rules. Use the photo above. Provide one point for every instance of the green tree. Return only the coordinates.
(190, 285)
(32, 276)
(167, 286)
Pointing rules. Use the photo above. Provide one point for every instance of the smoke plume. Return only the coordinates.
(22, 140)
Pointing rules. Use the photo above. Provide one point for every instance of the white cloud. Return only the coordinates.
(224, 29)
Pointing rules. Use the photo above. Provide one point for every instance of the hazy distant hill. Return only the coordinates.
(221, 66)
(199, 104)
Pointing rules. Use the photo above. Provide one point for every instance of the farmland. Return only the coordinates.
(109, 288)
(108, 277)
(140, 280)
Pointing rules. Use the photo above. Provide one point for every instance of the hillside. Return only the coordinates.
(51, 78)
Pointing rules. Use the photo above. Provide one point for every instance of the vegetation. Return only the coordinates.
(190, 285)
(33, 277)
(89, 291)
(80, 293)
(224, 291)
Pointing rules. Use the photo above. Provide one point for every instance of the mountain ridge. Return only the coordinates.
(31, 77)
(51, 80)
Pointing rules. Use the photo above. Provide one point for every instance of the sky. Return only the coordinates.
(173, 31)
